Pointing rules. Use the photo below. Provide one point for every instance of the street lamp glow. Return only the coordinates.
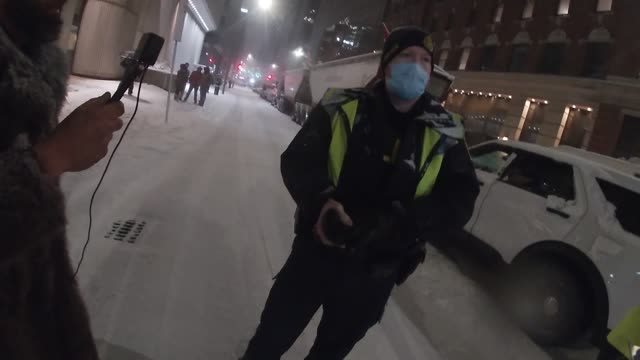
(274, 66)
(244, 10)
(298, 52)
(249, 57)
(265, 4)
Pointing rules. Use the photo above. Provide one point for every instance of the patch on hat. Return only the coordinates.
(428, 43)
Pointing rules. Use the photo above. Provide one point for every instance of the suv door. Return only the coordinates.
(489, 160)
(534, 199)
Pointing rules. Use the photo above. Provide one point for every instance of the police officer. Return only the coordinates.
(375, 174)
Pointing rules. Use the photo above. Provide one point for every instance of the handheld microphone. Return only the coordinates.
(145, 55)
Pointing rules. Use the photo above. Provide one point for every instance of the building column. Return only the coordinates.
(108, 28)
(67, 41)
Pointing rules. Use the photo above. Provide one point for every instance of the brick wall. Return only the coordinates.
(624, 59)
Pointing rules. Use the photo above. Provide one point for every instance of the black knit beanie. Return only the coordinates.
(402, 38)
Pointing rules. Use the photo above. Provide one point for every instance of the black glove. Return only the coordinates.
(388, 244)
(337, 232)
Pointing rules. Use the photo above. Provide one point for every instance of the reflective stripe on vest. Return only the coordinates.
(341, 125)
(431, 139)
(340, 129)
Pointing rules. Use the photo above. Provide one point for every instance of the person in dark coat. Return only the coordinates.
(127, 60)
(205, 84)
(194, 84)
(375, 173)
(181, 80)
(42, 315)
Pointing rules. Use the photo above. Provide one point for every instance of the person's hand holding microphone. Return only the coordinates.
(82, 139)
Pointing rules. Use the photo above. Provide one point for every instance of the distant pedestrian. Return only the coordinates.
(205, 84)
(218, 83)
(127, 60)
(194, 84)
(181, 81)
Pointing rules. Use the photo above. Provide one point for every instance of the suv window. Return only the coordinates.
(541, 176)
(490, 158)
(627, 205)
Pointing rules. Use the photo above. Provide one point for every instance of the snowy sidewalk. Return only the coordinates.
(218, 227)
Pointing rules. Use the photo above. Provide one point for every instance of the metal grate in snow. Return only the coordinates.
(129, 231)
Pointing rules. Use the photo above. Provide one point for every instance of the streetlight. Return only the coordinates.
(244, 10)
(298, 52)
(274, 66)
(265, 4)
(249, 57)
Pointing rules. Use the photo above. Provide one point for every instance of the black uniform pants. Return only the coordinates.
(203, 95)
(195, 93)
(314, 276)
(179, 89)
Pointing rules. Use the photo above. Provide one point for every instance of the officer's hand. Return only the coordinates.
(82, 139)
(318, 229)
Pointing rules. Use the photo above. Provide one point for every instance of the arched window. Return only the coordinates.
(552, 59)
(597, 53)
(520, 52)
(489, 51)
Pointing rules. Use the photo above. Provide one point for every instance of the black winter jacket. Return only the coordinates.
(41, 313)
(362, 184)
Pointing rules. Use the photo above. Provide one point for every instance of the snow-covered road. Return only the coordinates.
(219, 225)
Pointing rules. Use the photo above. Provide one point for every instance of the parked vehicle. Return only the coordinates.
(567, 222)
(304, 88)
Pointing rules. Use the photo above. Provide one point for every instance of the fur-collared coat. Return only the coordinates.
(41, 313)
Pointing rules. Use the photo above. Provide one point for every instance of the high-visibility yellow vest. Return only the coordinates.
(343, 121)
(626, 335)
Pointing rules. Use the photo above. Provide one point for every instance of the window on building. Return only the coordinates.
(541, 176)
(596, 60)
(527, 12)
(444, 55)
(497, 12)
(552, 58)
(563, 7)
(627, 205)
(449, 22)
(488, 58)
(471, 19)
(605, 5)
(519, 58)
(464, 58)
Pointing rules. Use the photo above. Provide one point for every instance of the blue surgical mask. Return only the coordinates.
(408, 81)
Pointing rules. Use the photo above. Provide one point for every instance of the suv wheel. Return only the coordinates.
(547, 299)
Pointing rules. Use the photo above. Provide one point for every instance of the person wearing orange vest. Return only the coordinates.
(376, 173)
